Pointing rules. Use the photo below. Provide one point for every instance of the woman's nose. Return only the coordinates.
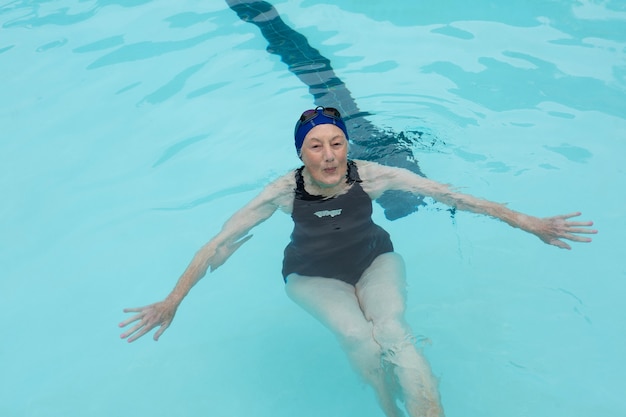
(329, 155)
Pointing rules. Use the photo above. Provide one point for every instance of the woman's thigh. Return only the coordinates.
(381, 291)
(333, 302)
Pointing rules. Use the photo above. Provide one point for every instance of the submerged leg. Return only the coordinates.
(335, 305)
(382, 295)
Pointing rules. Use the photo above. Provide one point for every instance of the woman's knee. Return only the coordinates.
(354, 335)
(392, 334)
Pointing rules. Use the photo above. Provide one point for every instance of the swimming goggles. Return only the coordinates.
(309, 115)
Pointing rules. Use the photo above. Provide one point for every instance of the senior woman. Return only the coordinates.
(340, 266)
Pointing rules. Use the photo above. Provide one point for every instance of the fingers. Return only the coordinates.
(578, 224)
(141, 329)
(570, 230)
(136, 331)
(133, 318)
(560, 244)
(130, 320)
(573, 229)
(583, 231)
(575, 238)
(135, 309)
(568, 216)
(137, 335)
(147, 318)
(159, 332)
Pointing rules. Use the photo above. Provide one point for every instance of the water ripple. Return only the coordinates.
(177, 147)
(572, 153)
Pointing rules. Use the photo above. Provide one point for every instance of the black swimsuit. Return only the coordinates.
(334, 237)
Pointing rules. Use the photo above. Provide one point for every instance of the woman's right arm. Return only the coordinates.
(234, 233)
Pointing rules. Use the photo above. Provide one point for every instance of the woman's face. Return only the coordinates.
(325, 155)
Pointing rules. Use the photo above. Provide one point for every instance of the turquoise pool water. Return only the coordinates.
(130, 130)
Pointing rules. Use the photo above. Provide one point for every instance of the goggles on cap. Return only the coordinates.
(313, 117)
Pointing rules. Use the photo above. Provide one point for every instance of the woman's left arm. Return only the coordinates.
(551, 230)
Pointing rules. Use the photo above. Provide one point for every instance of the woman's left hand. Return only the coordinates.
(552, 229)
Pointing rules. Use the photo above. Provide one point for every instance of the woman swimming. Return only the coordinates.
(340, 266)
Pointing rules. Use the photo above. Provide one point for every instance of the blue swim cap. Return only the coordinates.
(318, 116)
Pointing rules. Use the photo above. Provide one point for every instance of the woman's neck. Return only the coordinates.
(326, 190)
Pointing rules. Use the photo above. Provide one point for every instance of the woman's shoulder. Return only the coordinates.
(282, 190)
(372, 176)
(377, 178)
(284, 183)
(370, 171)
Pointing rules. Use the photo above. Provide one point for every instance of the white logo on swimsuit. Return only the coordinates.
(331, 213)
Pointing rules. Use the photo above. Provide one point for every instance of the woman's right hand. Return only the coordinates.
(154, 315)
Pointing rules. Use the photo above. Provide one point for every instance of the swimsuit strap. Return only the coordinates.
(300, 191)
(353, 173)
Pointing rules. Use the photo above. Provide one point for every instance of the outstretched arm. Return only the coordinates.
(234, 233)
(551, 230)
